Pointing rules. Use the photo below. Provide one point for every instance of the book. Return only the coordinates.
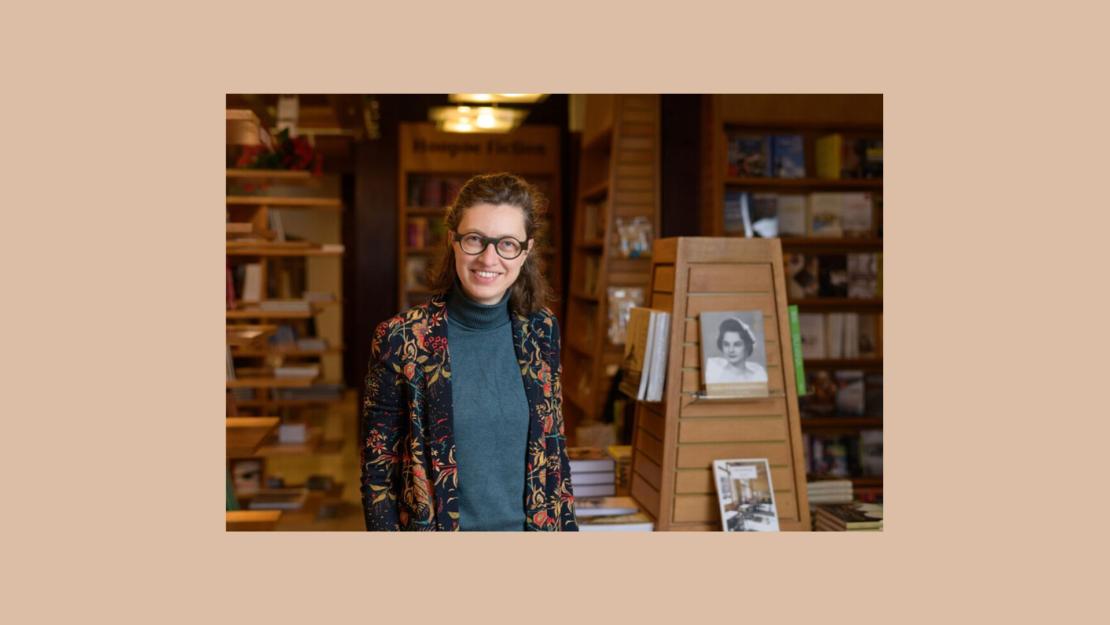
(802, 274)
(230, 290)
(276, 225)
(863, 276)
(635, 351)
(834, 335)
(590, 478)
(873, 394)
(871, 452)
(292, 433)
(811, 326)
(823, 215)
(868, 337)
(593, 490)
(796, 347)
(588, 459)
(760, 215)
(252, 282)
(416, 269)
(286, 305)
(820, 397)
(851, 516)
(657, 370)
(827, 153)
(297, 371)
(749, 156)
(605, 506)
(734, 211)
(734, 356)
(855, 214)
(833, 275)
(788, 156)
(792, 215)
(279, 499)
(622, 455)
(417, 231)
(745, 495)
(849, 392)
(633, 522)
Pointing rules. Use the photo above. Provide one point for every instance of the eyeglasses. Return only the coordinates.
(506, 247)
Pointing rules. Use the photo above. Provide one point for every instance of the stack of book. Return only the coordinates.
(611, 514)
(592, 472)
(829, 492)
(622, 456)
(849, 517)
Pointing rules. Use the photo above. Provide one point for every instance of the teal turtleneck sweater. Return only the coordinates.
(490, 414)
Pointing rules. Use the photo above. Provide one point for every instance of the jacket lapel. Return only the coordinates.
(435, 360)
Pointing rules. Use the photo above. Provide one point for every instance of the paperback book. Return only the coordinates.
(745, 495)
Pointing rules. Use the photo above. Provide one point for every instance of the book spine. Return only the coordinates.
(796, 344)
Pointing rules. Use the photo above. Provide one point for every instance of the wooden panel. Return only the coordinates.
(732, 429)
(651, 446)
(703, 455)
(833, 109)
(731, 277)
(664, 278)
(634, 210)
(747, 408)
(651, 421)
(645, 494)
(691, 380)
(692, 334)
(696, 304)
(649, 470)
(700, 481)
(640, 102)
(663, 301)
(634, 184)
(640, 116)
(636, 157)
(633, 197)
(696, 508)
(664, 251)
(639, 129)
(636, 171)
(726, 250)
(691, 354)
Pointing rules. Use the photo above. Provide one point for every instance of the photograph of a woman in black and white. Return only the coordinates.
(736, 342)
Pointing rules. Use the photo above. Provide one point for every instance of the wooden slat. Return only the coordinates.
(640, 116)
(664, 279)
(700, 481)
(696, 408)
(634, 209)
(632, 197)
(645, 494)
(640, 102)
(696, 304)
(635, 184)
(703, 455)
(648, 469)
(635, 157)
(643, 170)
(646, 129)
(705, 508)
(651, 446)
(732, 429)
(663, 301)
(652, 422)
(710, 278)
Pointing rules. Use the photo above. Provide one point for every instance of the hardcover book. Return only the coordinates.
(802, 274)
(749, 156)
(788, 156)
(745, 495)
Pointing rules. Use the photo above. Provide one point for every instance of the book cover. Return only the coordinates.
(734, 356)
(416, 270)
(593, 490)
(849, 393)
(761, 215)
(855, 214)
(802, 274)
(863, 276)
(588, 459)
(833, 275)
(824, 215)
(820, 397)
(827, 152)
(792, 215)
(834, 335)
(851, 516)
(745, 495)
(796, 346)
(811, 326)
(252, 282)
(749, 156)
(788, 156)
(591, 478)
(635, 349)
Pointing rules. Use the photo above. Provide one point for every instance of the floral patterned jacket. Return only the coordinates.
(409, 477)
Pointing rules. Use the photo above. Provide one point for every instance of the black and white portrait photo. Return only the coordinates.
(734, 358)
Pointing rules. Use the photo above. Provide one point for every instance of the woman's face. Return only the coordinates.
(732, 346)
(487, 276)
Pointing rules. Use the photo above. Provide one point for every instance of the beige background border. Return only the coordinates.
(995, 136)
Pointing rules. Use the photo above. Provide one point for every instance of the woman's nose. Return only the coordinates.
(489, 255)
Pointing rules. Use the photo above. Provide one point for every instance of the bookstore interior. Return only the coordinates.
(715, 268)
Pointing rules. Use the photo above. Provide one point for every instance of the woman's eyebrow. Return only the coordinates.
(477, 231)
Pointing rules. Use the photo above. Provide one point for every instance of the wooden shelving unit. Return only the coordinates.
(304, 262)
(810, 116)
(433, 165)
(618, 178)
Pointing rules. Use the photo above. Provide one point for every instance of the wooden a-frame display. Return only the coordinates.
(676, 440)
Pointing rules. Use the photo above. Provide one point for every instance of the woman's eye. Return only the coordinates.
(508, 245)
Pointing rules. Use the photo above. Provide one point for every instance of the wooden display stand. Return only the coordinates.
(676, 440)
(619, 178)
(429, 156)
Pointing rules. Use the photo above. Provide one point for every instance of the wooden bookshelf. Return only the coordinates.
(618, 178)
(309, 211)
(433, 165)
(811, 117)
(675, 441)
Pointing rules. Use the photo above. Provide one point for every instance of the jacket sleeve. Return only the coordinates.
(382, 423)
(567, 521)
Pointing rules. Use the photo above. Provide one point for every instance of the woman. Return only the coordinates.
(462, 411)
(737, 343)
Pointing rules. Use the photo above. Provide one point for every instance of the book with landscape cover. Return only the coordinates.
(792, 215)
(824, 215)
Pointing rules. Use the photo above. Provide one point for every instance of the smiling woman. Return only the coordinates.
(463, 403)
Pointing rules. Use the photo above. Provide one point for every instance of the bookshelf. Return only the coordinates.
(811, 117)
(284, 309)
(433, 166)
(618, 179)
(675, 441)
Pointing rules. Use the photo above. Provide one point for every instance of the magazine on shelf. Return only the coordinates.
(745, 495)
(734, 357)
